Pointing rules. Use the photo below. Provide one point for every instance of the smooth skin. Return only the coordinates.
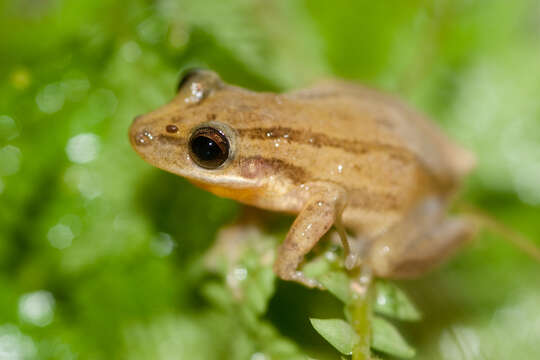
(336, 154)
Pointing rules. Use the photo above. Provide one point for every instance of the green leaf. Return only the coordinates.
(394, 303)
(337, 332)
(258, 288)
(217, 294)
(338, 284)
(387, 339)
(316, 268)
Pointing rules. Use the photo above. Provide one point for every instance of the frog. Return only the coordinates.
(336, 155)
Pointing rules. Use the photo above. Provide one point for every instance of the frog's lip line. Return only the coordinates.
(230, 181)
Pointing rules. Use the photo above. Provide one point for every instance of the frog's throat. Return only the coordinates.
(244, 195)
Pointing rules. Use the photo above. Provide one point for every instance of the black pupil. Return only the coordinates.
(209, 150)
(205, 148)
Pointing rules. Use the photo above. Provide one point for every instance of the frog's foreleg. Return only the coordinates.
(423, 240)
(319, 213)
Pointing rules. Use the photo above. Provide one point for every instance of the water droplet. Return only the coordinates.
(240, 273)
(37, 308)
(8, 128)
(340, 169)
(10, 160)
(236, 276)
(60, 236)
(197, 93)
(130, 51)
(144, 138)
(330, 256)
(51, 98)
(162, 245)
(83, 148)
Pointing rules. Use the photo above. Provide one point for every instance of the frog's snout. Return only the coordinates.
(139, 133)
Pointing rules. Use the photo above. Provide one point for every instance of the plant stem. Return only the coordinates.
(360, 310)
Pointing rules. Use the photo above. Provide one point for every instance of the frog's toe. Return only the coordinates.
(352, 261)
(299, 277)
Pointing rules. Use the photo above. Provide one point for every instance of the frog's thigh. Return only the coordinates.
(316, 217)
(421, 242)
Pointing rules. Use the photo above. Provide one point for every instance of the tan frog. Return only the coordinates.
(336, 154)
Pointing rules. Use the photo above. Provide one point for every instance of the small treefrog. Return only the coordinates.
(336, 154)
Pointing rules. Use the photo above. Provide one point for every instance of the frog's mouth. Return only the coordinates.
(244, 194)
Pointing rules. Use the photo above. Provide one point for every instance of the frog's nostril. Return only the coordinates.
(171, 128)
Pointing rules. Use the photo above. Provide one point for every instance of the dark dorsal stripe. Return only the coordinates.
(318, 140)
(258, 166)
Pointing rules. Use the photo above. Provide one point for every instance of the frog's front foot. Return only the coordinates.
(286, 268)
(299, 277)
(351, 261)
(356, 254)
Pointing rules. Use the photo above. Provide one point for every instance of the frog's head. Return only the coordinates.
(194, 135)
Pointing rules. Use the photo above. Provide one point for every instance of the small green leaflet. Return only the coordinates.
(341, 335)
(337, 332)
(337, 283)
(387, 339)
(391, 301)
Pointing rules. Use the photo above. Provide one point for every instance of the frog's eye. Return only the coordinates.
(188, 76)
(208, 147)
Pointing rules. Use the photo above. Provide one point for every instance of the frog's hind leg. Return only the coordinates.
(420, 242)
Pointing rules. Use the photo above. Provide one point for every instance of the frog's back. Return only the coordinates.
(386, 155)
(397, 155)
(354, 111)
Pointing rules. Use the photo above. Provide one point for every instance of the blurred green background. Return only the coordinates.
(100, 253)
